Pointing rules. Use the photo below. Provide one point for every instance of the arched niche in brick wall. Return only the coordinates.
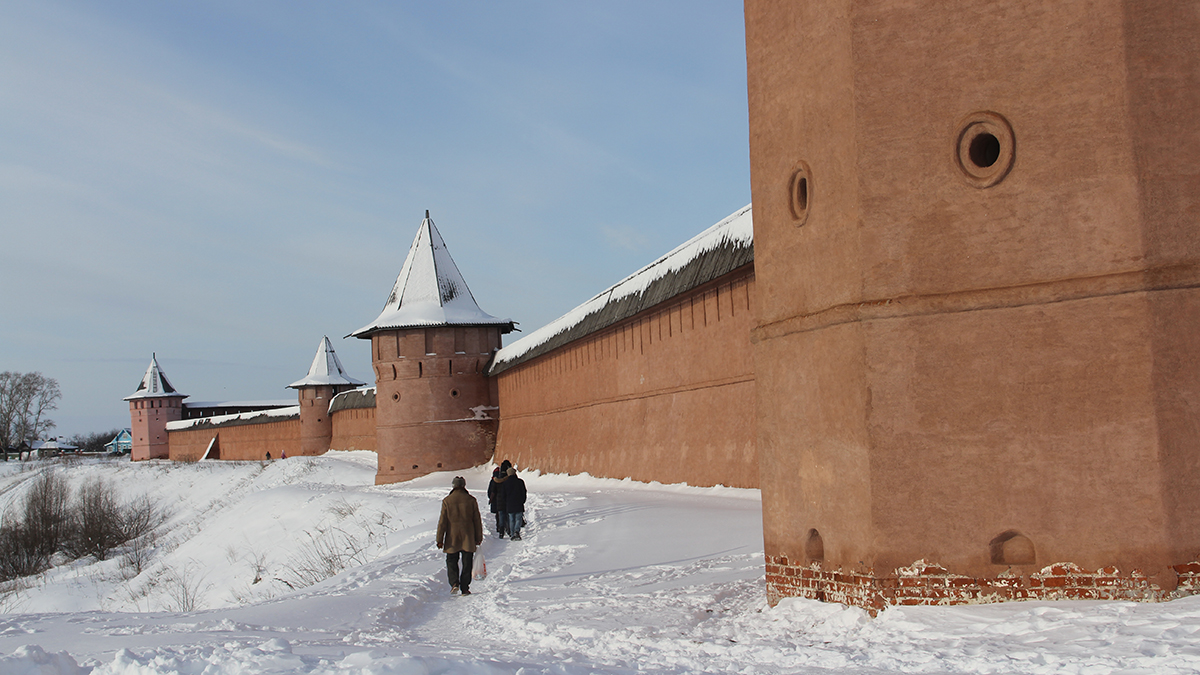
(1012, 548)
(814, 547)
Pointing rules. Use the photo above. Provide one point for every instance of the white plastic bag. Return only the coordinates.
(479, 567)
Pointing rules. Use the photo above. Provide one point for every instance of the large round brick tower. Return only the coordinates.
(977, 250)
(435, 407)
(326, 378)
(154, 404)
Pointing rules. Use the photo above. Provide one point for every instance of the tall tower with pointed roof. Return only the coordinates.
(430, 346)
(155, 403)
(326, 378)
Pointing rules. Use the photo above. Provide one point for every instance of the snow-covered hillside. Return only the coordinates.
(611, 577)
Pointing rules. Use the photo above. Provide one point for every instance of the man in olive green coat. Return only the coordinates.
(459, 531)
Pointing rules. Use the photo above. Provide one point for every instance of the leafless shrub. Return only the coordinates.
(31, 536)
(97, 523)
(258, 561)
(185, 588)
(342, 508)
(46, 512)
(324, 555)
(19, 556)
(140, 521)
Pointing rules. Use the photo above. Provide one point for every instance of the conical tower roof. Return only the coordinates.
(430, 291)
(326, 369)
(154, 383)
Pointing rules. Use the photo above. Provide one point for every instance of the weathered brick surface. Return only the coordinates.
(929, 584)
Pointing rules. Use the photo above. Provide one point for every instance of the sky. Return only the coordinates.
(610, 577)
(224, 183)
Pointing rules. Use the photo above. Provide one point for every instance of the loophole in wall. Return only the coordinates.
(984, 148)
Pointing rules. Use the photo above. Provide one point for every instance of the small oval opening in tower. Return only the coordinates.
(814, 547)
(1012, 548)
(454, 393)
(800, 193)
(984, 150)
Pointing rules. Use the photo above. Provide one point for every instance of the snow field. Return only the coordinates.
(611, 577)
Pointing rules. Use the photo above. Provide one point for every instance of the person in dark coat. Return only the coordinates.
(512, 495)
(499, 475)
(459, 533)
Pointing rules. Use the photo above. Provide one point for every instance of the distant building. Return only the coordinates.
(121, 444)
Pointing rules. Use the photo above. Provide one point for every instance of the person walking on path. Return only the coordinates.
(512, 496)
(459, 533)
(498, 477)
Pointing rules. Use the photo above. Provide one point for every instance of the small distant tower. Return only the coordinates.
(429, 347)
(154, 404)
(326, 378)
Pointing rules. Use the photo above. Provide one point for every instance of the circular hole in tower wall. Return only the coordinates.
(984, 148)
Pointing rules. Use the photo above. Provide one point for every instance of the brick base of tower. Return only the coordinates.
(925, 583)
(420, 449)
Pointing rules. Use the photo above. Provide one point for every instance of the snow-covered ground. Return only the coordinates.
(611, 577)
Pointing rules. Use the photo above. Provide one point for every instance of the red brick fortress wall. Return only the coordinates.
(353, 429)
(246, 441)
(978, 257)
(666, 395)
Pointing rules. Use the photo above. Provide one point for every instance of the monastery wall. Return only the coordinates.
(236, 440)
(353, 429)
(666, 395)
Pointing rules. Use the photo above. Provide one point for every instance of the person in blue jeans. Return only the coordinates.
(498, 477)
(512, 496)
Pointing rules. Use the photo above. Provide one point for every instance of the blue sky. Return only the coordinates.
(223, 183)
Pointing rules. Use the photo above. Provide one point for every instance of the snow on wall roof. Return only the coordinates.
(430, 291)
(237, 419)
(714, 252)
(154, 383)
(353, 400)
(326, 369)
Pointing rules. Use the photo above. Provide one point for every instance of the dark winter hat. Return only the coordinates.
(505, 466)
(459, 481)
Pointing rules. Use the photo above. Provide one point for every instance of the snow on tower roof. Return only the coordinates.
(430, 291)
(154, 383)
(326, 369)
(717, 251)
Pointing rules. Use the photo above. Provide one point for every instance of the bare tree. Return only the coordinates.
(93, 442)
(26, 400)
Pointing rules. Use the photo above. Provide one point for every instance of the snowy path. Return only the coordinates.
(611, 577)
